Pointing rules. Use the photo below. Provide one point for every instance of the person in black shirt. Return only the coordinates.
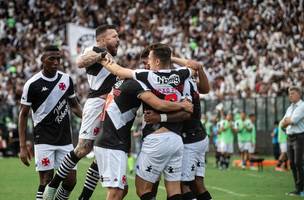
(112, 146)
(49, 94)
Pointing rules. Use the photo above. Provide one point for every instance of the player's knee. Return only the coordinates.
(45, 178)
(115, 194)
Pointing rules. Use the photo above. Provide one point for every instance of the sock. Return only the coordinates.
(286, 164)
(227, 161)
(175, 197)
(188, 196)
(62, 194)
(90, 182)
(40, 192)
(147, 196)
(222, 161)
(68, 163)
(279, 163)
(204, 196)
(217, 159)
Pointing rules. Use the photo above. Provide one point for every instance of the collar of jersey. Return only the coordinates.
(49, 79)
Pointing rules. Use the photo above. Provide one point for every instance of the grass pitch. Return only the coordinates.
(20, 182)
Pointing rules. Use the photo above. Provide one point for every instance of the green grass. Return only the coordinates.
(20, 182)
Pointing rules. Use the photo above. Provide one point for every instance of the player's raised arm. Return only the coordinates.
(203, 84)
(88, 58)
(163, 105)
(25, 154)
(115, 68)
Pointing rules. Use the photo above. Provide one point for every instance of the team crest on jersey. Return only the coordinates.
(45, 161)
(124, 180)
(96, 131)
(172, 79)
(62, 86)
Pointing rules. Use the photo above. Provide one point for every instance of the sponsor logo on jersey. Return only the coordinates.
(61, 110)
(172, 79)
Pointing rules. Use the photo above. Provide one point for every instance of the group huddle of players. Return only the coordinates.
(174, 141)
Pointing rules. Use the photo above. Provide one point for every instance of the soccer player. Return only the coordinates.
(244, 137)
(252, 132)
(100, 82)
(195, 142)
(112, 146)
(162, 146)
(282, 138)
(49, 94)
(226, 140)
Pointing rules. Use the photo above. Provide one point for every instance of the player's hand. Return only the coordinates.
(194, 65)
(25, 155)
(107, 60)
(151, 117)
(187, 105)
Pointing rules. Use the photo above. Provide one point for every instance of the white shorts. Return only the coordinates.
(283, 147)
(252, 148)
(91, 118)
(160, 152)
(244, 146)
(50, 156)
(194, 160)
(112, 167)
(225, 147)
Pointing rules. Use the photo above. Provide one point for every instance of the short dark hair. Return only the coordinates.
(51, 48)
(102, 28)
(145, 53)
(251, 115)
(162, 52)
(295, 88)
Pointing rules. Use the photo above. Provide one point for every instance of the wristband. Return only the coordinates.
(163, 117)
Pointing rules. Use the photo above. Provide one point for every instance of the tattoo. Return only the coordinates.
(84, 147)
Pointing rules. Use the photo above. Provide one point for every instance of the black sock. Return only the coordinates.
(68, 163)
(217, 159)
(40, 192)
(90, 182)
(286, 164)
(227, 161)
(175, 197)
(188, 196)
(204, 196)
(62, 193)
(147, 196)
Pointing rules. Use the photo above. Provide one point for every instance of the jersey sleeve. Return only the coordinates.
(187, 90)
(27, 95)
(184, 73)
(140, 75)
(137, 87)
(71, 91)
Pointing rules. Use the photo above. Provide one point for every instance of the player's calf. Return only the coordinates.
(91, 181)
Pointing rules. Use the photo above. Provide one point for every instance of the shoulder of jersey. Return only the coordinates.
(34, 78)
(63, 73)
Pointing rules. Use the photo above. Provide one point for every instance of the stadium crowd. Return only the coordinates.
(249, 48)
